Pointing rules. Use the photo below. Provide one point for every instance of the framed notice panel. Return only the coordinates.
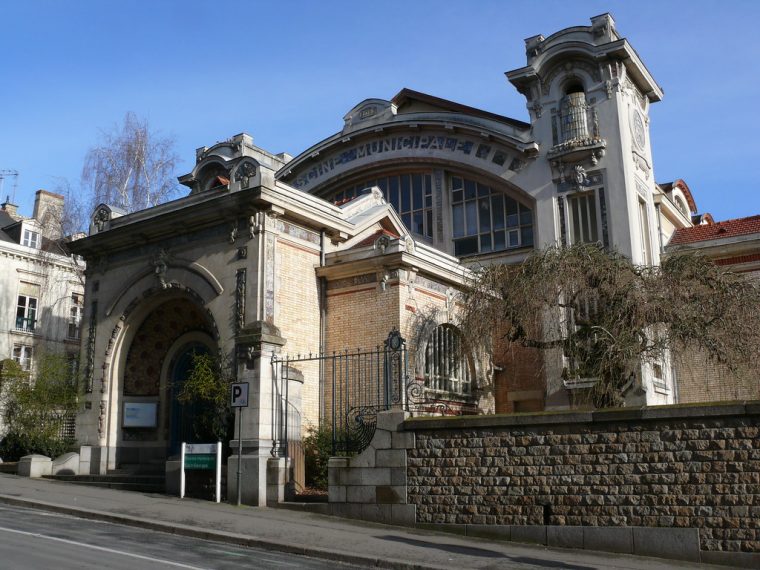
(140, 414)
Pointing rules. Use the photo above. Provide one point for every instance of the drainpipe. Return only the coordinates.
(322, 322)
(659, 226)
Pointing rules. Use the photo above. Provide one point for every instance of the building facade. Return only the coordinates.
(375, 228)
(41, 286)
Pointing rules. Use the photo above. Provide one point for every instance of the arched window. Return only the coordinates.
(447, 366)
(411, 195)
(486, 220)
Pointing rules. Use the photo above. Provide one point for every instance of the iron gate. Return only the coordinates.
(356, 385)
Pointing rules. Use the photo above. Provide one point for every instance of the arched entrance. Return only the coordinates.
(157, 363)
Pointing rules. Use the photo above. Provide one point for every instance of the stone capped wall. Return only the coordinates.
(670, 466)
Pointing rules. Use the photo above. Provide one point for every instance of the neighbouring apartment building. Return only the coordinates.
(41, 287)
(374, 228)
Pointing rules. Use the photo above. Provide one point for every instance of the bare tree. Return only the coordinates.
(606, 315)
(132, 167)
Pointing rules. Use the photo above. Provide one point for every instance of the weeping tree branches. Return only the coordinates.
(607, 315)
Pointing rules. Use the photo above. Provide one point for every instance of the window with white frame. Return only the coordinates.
(447, 367)
(26, 307)
(30, 238)
(22, 354)
(582, 217)
(486, 220)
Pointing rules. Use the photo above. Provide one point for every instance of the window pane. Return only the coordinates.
(457, 196)
(485, 214)
(472, 218)
(406, 195)
(526, 216)
(383, 185)
(417, 190)
(418, 226)
(511, 205)
(393, 190)
(407, 219)
(499, 241)
(428, 186)
(485, 243)
(512, 220)
(514, 238)
(466, 246)
(469, 189)
(527, 235)
(456, 183)
(497, 207)
(458, 220)
(483, 190)
(429, 228)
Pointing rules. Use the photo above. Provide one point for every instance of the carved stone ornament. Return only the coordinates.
(580, 178)
(233, 231)
(101, 218)
(409, 244)
(245, 171)
(160, 264)
(382, 243)
(537, 108)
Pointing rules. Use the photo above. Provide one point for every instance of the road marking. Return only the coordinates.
(102, 549)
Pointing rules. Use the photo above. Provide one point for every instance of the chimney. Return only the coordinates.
(10, 209)
(48, 210)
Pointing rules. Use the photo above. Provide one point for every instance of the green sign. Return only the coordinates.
(200, 461)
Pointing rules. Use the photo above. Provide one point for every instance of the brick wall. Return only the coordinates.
(669, 466)
(297, 301)
(700, 380)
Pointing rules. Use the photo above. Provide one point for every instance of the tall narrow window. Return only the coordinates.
(646, 248)
(26, 307)
(23, 355)
(75, 317)
(582, 213)
(447, 367)
(486, 220)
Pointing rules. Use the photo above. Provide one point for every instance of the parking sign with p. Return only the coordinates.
(239, 393)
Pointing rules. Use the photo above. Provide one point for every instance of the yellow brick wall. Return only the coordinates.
(700, 380)
(297, 316)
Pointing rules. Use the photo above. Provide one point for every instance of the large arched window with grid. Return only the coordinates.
(448, 367)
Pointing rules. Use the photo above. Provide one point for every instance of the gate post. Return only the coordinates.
(256, 343)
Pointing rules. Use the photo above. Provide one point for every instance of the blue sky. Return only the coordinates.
(286, 72)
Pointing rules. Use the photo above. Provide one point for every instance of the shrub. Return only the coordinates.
(317, 447)
(15, 445)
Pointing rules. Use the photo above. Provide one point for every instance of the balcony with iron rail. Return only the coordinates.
(26, 325)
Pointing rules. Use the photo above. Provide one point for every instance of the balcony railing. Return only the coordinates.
(25, 324)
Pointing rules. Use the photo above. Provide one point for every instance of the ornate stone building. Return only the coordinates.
(374, 228)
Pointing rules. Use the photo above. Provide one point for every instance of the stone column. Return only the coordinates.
(256, 343)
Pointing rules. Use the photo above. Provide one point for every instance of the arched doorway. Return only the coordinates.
(185, 417)
(158, 360)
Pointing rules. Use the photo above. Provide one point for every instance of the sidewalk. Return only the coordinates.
(320, 536)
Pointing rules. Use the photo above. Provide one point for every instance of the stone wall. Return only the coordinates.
(671, 481)
(670, 466)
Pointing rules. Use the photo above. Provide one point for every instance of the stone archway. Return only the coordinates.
(169, 328)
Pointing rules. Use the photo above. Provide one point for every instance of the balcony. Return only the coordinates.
(25, 324)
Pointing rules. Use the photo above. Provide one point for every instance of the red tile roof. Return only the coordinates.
(718, 230)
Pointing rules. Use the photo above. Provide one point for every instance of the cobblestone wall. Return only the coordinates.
(670, 466)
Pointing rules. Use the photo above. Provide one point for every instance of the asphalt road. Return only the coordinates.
(36, 540)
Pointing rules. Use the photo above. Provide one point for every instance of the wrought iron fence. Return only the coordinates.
(357, 384)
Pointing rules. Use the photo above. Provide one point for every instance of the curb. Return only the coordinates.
(222, 537)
